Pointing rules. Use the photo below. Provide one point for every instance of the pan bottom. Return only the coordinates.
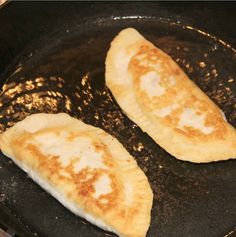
(64, 72)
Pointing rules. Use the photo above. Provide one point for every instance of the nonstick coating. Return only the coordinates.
(63, 71)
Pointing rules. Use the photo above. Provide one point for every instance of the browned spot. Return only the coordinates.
(181, 131)
(72, 136)
(99, 147)
(198, 113)
(189, 131)
(106, 154)
(85, 181)
(122, 213)
(177, 71)
(49, 164)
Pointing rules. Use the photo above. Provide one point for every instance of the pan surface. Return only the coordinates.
(63, 71)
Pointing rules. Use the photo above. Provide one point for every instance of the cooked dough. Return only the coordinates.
(85, 169)
(159, 97)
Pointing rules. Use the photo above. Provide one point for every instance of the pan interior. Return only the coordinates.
(64, 72)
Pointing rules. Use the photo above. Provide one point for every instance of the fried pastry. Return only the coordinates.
(84, 168)
(159, 97)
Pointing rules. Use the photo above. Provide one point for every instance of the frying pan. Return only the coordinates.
(51, 51)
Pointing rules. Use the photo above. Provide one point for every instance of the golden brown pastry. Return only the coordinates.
(159, 97)
(85, 169)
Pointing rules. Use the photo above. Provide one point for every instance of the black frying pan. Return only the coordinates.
(45, 51)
